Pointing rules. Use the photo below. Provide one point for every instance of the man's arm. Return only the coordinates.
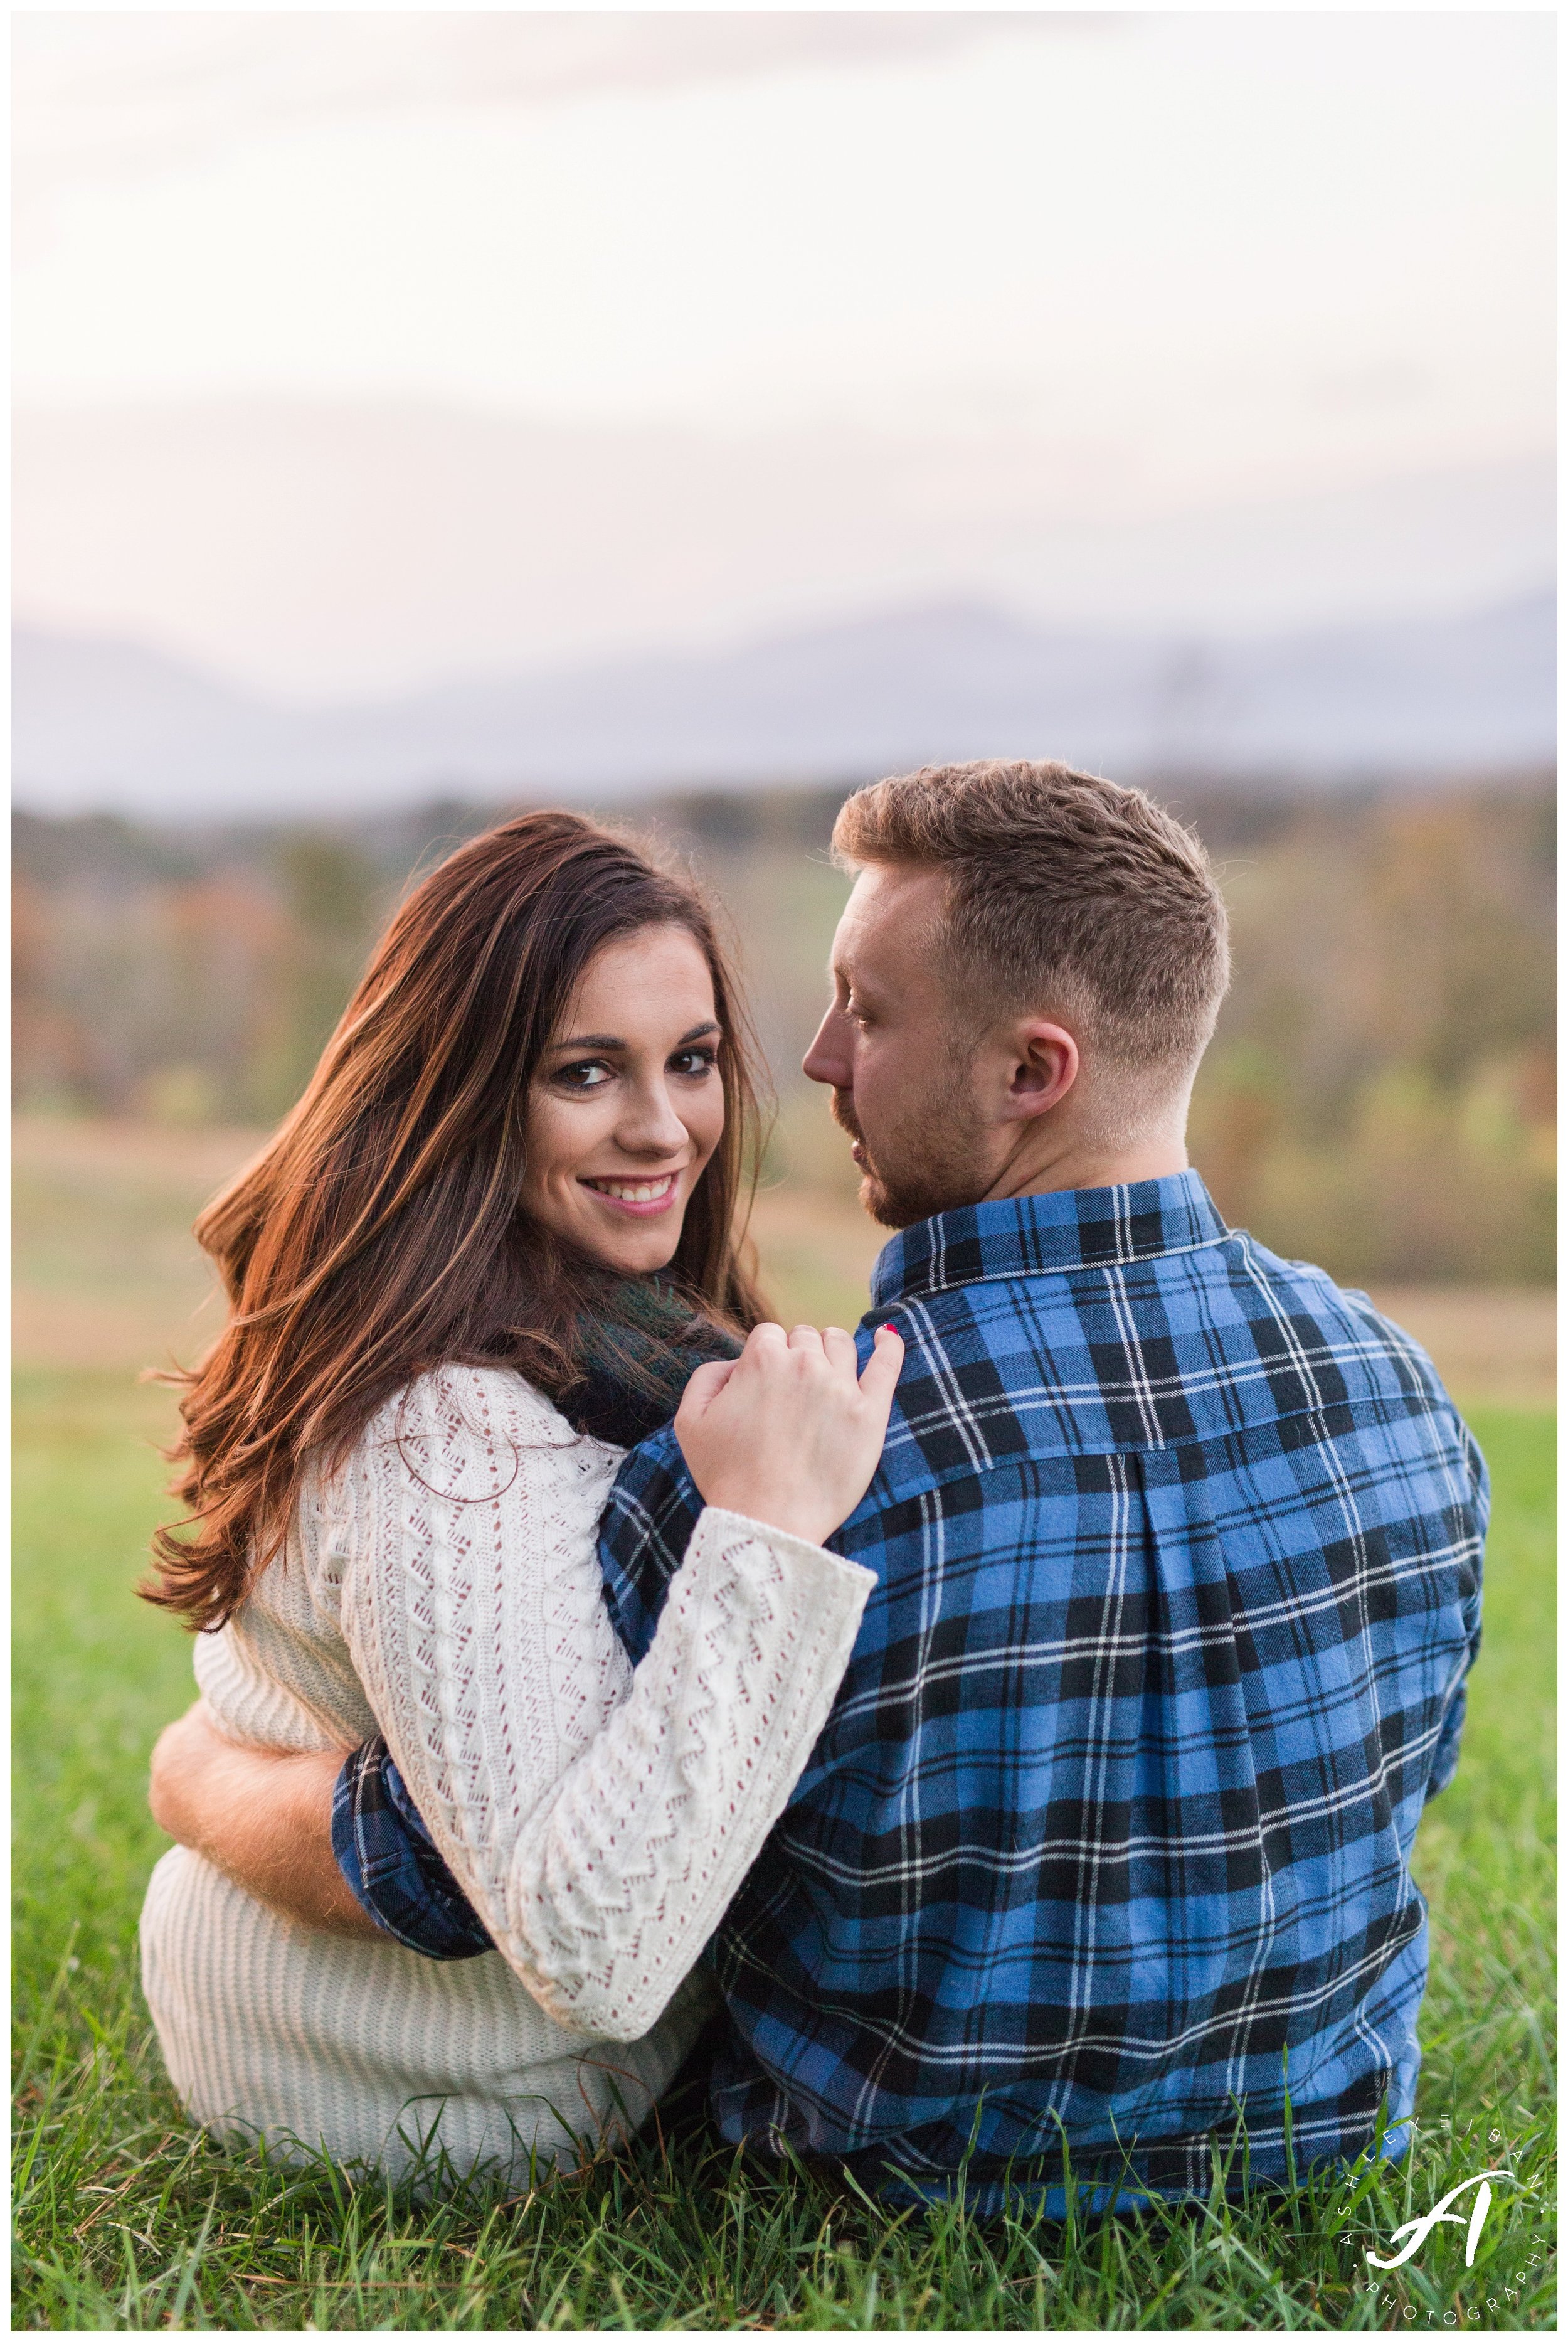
(266, 1820)
(261, 1816)
(1445, 1760)
(646, 1527)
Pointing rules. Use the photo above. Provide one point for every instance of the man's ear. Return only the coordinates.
(1044, 1068)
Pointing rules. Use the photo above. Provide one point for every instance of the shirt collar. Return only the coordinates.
(1039, 1236)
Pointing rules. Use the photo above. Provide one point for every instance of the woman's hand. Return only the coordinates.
(786, 1433)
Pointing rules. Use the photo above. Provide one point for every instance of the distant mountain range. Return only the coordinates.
(106, 725)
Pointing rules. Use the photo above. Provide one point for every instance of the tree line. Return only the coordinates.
(1379, 1096)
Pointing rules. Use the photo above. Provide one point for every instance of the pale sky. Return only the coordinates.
(1131, 265)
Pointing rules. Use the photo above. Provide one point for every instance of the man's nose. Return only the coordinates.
(828, 1058)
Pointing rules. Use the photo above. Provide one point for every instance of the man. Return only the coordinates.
(1104, 1851)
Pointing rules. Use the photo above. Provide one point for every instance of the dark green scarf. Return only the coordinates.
(638, 1350)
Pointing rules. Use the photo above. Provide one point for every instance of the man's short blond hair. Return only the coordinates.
(1065, 892)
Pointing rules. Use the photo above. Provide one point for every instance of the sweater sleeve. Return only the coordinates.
(599, 1820)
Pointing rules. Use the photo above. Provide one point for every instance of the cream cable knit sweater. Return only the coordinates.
(444, 1587)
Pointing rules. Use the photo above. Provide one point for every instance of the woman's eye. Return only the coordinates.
(591, 1074)
(694, 1061)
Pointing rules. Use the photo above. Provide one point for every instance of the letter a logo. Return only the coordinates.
(1419, 2230)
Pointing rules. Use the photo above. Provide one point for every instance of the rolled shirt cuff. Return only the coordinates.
(393, 1867)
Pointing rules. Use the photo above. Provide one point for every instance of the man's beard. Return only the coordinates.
(930, 1177)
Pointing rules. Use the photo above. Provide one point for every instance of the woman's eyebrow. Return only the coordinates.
(614, 1040)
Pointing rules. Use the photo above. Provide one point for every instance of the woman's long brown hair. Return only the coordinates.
(379, 1233)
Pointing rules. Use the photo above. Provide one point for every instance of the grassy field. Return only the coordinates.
(127, 2219)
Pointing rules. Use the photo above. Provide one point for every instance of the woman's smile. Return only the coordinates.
(643, 1198)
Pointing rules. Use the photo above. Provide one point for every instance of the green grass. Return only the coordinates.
(127, 2219)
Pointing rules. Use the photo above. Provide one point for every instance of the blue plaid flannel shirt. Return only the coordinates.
(1107, 1840)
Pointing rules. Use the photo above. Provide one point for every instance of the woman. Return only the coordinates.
(497, 1228)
